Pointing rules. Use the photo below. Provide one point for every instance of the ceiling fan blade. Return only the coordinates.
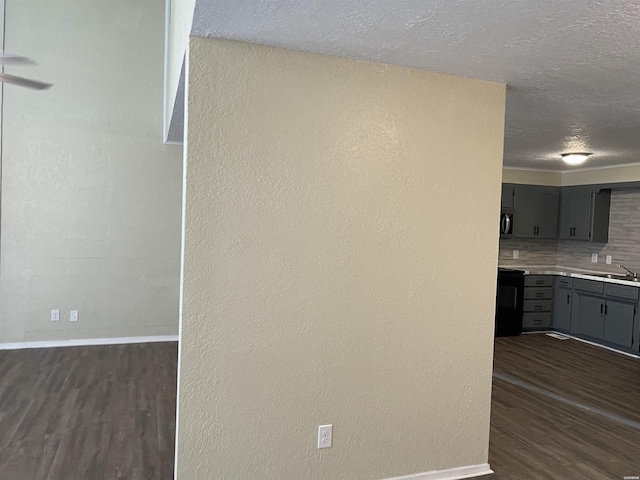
(11, 59)
(24, 82)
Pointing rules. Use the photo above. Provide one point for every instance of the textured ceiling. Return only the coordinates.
(572, 66)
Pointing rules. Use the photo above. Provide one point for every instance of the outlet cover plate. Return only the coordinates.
(325, 436)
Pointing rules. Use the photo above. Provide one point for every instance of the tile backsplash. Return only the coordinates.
(532, 252)
(623, 246)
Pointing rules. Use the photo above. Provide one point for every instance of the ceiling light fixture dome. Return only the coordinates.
(575, 158)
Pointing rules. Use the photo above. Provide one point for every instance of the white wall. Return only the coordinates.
(90, 195)
(180, 20)
(330, 208)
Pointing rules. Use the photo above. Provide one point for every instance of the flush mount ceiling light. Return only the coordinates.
(575, 158)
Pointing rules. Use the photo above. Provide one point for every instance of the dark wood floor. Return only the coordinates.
(88, 413)
(534, 436)
(101, 413)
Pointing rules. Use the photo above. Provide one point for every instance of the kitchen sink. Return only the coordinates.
(614, 276)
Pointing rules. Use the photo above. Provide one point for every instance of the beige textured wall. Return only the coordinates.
(90, 195)
(331, 206)
(531, 177)
(623, 173)
(614, 174)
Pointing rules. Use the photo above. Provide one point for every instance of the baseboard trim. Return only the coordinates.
(88, 342)
(588, 342)
(606, 347)
(457, 473)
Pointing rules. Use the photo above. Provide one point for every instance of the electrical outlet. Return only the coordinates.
(325, 436)
(73, 316)
(55, 315)
(516, 254)
(594, 258)
(609, 258)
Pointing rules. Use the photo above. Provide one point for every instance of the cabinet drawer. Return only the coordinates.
(621, 291)
(531, 293)
(564, 282)
(538, 280)
(536, 320)
(537, 305)
(588, 285)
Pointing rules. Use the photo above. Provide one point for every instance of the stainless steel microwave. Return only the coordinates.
(506, 223)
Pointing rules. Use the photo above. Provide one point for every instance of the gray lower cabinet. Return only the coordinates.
(588, 315)
(601, 311)
(605, 312)
(538, 304)
(618, 323)
(562, 309)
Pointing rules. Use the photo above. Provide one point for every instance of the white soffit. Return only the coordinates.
(572, 66)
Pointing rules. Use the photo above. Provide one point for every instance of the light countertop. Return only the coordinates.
(570, 272)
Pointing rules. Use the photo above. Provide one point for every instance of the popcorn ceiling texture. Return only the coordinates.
(623, 245)
(571, 65)
(317, 266)
(90, 196)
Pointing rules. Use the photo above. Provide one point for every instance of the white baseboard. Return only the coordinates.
(606, 347)
(457, 473)
(88, 342)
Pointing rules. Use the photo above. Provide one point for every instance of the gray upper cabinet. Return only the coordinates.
(584, 214)
(535, 211)
(508, 192)
(547, 212)
(618, 323)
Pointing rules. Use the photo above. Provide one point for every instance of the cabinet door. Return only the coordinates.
(524, 211)
(618, 323)
(562, 309)
(589, 315)
(547, 212)
(565, 227)
(582, 207)
(508, 190)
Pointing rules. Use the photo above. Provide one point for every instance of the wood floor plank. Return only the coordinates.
(80, 413)
(105, 413)
(573, 369)
(537, 436)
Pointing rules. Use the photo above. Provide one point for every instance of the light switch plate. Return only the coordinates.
(594, 258)
(609, 258)
(516, 254)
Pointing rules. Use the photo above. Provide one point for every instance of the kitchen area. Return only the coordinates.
(566, 377)
(569, 258)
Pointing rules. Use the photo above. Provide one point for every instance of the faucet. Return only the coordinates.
(629, 272)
